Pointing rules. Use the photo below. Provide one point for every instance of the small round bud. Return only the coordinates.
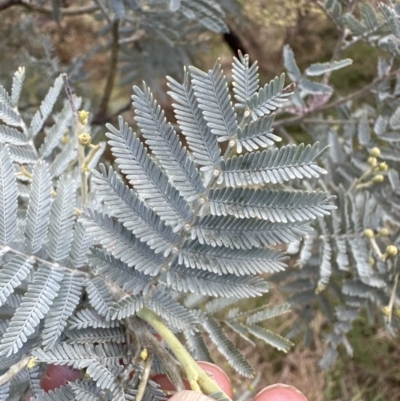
(372, 161)
(202, 200)
(187, 227)
(385, 310)
(31, 363)
(368, 233)
(83, 116)
(232, 143)
(383, 166)
(216, 172)
(371, 261)
(64, 139)
(175, 250)
(375, 152)
(378, 178)
(383, 232)
(391, 250)
(84, 139)
(246, 113)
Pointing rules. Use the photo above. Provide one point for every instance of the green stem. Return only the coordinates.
(198, 379)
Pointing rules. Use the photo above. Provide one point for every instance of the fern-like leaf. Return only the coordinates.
(63, 159)
(199, 137)
(227, 348)
(4, 391)
(173, 312)
(12, 136)
(198, 347)
(275, 206)
(119, 272)
(273, 339)
(37, 218)
(74, 355)
(45, 108)
(207, 12)
(88, 318)
(272, 166)
(221, 260)
(61, 220)
(16, 88)
(133, 212)
(165, 144)
(121, 243)
(104, 378)
(63, 393)
(99, 297)
(81, 242)
(62, 308)
(34, 306)
(12, 274)
(144, 174)
(7, 113)
(126, 307)
(183, 279)
(8, 198)
(267, 313)
(86, 392)
(55, 133)
(96, 336)
(211, 90)
(245, 79)
(257, 134)
(269, 98)
(231, 232)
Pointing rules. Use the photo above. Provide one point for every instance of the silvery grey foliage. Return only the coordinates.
(349, 264)
(184, 231)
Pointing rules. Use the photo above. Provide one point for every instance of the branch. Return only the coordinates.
(101, 115)
(336, 103)
(147, 340)
(197, 378)
(14, 370)
(68, 12)
(9, 3)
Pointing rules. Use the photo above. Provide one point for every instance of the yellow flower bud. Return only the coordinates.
(31, 363)
(84, 139)
(385, 310)
(378, 178)
(391, 250)
(383, 232)
(375, 152)
(144, 354)
(371, 261)
(383, 166)
(83, 116)
(372, 161)
(368, 233)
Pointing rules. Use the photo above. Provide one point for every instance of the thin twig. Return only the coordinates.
(14, 370)
(69, 95)
(145, 377)
(68, 12)
(392, 297)
(336, 103)
(145, 339)
(103, 10)
(102, 113)
(78, 128)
